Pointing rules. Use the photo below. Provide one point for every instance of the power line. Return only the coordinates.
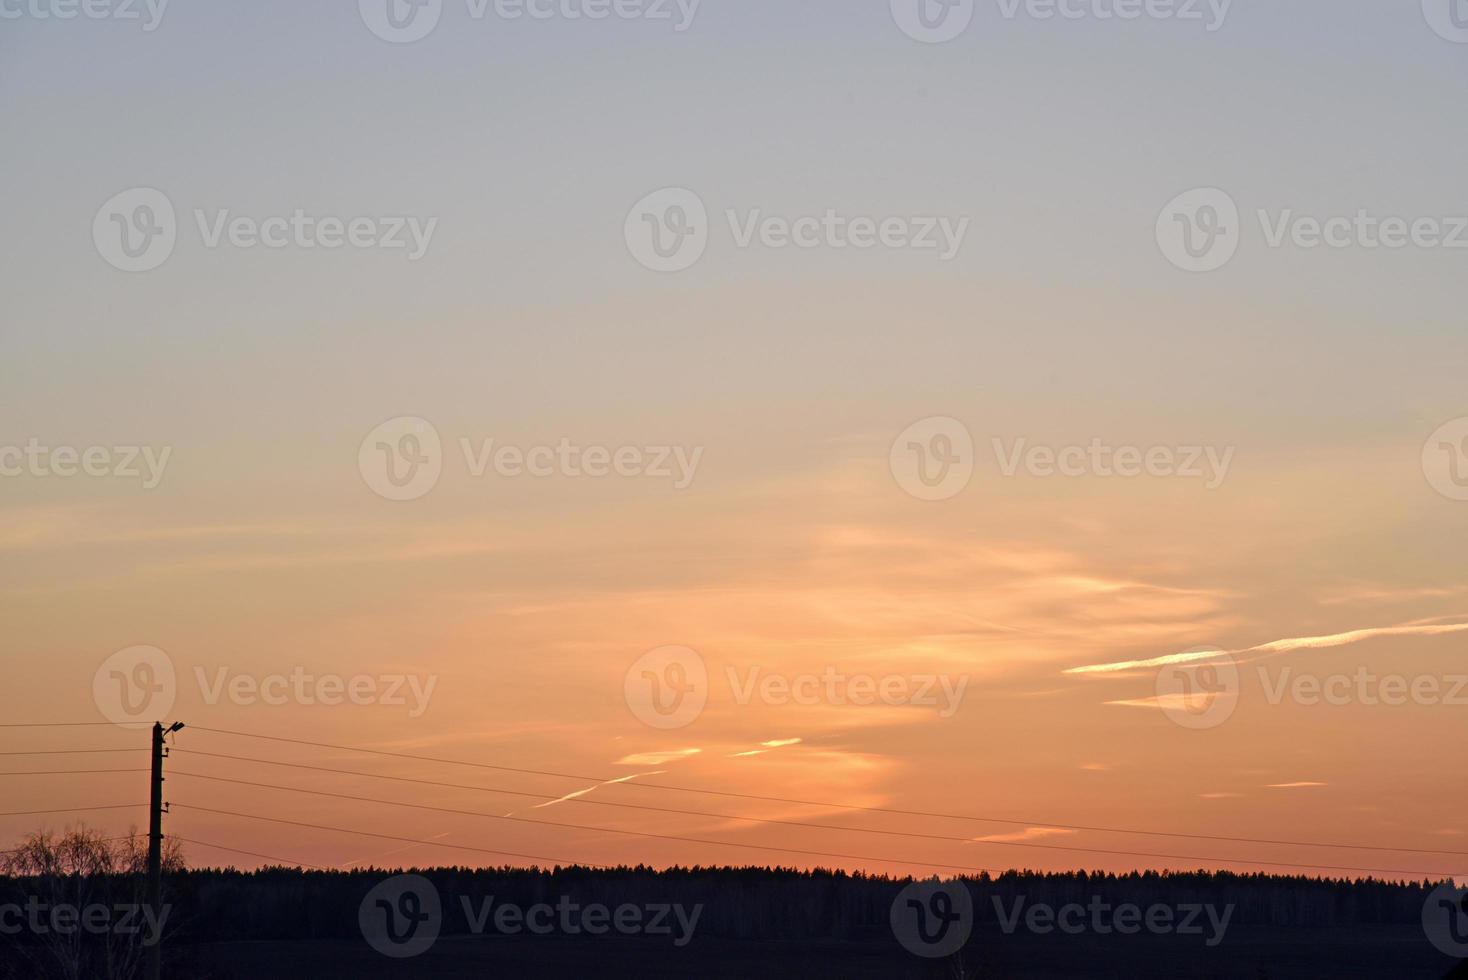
(1009, 821)
(236, 850)
(68, 772)
(405, 840)
(548, 796)
(56, 724)
(104, 840)
(857, 857)
(653, 809)
(70, 809)
(68, 751)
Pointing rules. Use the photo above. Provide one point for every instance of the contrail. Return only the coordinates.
(1277, 646)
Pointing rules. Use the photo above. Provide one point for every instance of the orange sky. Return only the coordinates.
(1013, 602)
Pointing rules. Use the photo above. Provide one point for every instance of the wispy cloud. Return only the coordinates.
(655, 758)
(778, 743)
(1276, 646)
(582, 792)
(1354, 636)
(1028, 834)
(1199, 701)
(1299, 785)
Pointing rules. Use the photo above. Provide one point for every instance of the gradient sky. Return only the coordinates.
(528, 321)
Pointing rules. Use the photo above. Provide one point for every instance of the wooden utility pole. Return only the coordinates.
(155, 847)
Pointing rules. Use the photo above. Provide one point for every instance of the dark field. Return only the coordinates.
(1253, 953)
(764, 923)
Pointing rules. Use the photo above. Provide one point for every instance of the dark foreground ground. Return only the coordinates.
(766, 924)
(1253, 953)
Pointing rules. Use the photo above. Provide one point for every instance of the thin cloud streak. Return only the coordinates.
(1275, 646)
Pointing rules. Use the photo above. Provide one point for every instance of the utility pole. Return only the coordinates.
(155, 846)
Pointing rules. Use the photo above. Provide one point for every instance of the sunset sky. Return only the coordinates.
(794, 548)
